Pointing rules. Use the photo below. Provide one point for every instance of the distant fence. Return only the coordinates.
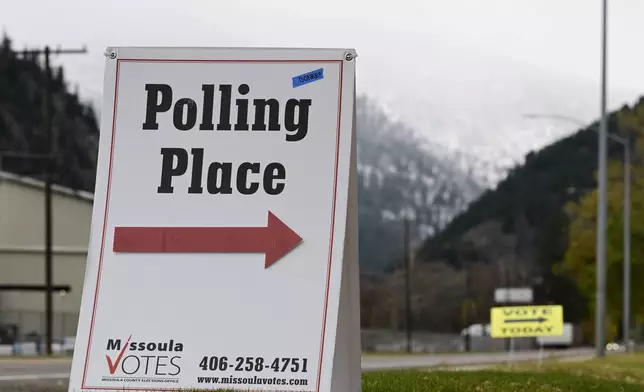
(65, 346)
(382, 340)
(28, 322)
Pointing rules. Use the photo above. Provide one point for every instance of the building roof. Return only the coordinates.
(33, 183)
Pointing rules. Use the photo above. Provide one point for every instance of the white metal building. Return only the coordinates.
(22, 252)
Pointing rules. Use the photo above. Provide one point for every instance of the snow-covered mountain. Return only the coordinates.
(477, 105)
(402, 173)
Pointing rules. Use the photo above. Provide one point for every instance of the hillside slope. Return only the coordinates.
(521, 225)
(399, 173)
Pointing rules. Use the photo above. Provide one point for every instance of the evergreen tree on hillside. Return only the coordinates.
(22, 124)
(579, 259)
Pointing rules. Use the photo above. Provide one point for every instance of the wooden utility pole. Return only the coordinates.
(52, 151)
(406, 259)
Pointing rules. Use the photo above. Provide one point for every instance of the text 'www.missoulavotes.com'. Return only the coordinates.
(252, 380)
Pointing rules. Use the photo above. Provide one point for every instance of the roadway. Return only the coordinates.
(45, 370)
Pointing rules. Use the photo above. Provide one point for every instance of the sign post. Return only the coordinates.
(526, 321)
(513, 296)
(223, 248)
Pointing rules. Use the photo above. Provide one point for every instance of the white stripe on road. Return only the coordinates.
(35, 377)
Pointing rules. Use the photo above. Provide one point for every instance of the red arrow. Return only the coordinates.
(275, 240)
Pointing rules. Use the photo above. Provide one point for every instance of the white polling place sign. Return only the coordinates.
(223, 248)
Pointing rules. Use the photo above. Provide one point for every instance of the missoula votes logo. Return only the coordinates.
(130, 361)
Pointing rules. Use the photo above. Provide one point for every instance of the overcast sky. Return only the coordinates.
(431, 52)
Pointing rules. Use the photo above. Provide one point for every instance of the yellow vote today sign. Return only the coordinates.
(526, 321)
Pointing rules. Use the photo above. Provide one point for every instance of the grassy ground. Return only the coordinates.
(620, 373)
(404, 353)
(625, 367)
(491, 381)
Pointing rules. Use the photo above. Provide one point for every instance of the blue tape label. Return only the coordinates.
(308, 77)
